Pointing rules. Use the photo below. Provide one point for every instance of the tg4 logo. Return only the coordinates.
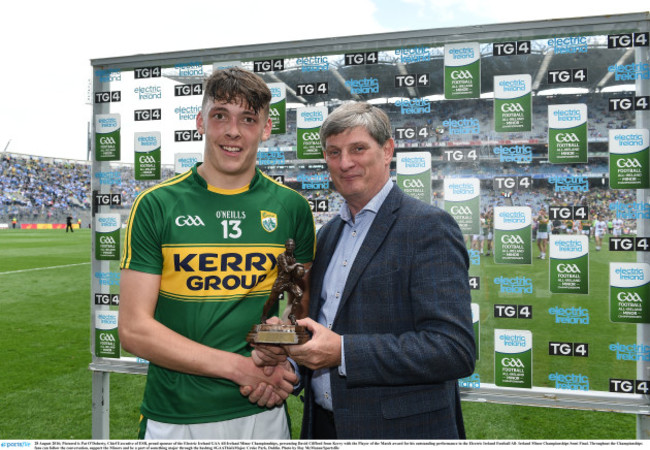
(568, 349)
(629, 386)
(513, 311)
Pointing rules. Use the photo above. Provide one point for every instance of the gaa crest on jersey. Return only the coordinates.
(269, 221)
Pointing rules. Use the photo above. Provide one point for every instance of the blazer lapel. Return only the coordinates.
(379, 229)
(325, 249)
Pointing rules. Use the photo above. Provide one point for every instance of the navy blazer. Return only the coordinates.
(406, 317)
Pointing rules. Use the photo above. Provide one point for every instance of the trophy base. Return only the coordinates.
(265, 333)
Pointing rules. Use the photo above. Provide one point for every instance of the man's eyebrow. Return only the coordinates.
(352, 144)
(219, 108)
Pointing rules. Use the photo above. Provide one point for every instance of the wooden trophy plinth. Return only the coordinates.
(265, 333)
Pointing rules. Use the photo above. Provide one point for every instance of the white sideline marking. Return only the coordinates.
(42, 268)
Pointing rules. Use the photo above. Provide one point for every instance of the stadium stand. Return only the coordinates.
(46, 190)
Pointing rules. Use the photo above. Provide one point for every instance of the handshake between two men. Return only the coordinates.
(321, 351)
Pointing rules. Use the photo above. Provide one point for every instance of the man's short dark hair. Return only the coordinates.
(236, 85)
(357, 114)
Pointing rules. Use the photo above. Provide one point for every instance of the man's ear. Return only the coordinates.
(199, 123)
(268, 127)
(389, 150)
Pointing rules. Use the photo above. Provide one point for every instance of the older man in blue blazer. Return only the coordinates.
(389, 309)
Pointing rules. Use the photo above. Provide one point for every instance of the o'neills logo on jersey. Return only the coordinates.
(218, 273)
(269, 220)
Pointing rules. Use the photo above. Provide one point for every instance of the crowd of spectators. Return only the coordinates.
(37, 189)
(47, 190)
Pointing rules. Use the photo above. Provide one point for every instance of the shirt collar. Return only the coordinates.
(202, 182)
(372, 206)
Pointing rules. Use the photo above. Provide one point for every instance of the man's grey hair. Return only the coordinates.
(357, 114)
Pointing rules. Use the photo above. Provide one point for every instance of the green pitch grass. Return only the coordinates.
(45, 384)
(601, 363)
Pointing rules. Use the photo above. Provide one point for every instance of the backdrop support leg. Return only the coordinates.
(101, 405)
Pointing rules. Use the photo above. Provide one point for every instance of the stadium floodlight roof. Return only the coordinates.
(541, 58)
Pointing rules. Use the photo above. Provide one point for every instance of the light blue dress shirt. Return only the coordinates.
(354, 232)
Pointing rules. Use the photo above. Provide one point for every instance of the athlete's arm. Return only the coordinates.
(142, 335)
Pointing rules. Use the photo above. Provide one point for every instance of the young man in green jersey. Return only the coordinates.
(200, 258)
(542, 221)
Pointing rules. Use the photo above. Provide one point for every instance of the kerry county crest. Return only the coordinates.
(269, 221)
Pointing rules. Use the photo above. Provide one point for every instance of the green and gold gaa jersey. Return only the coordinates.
(542, 224)
(216, 252)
